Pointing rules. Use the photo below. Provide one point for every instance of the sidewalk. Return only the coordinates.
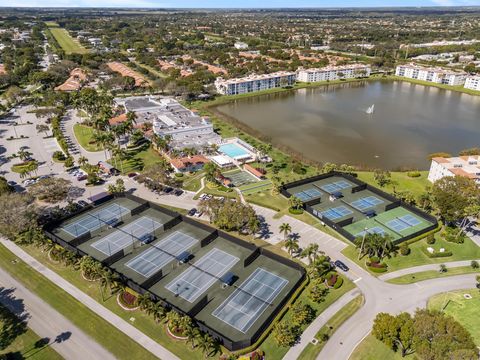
(310, 332)
(421, 268)
(129, 330)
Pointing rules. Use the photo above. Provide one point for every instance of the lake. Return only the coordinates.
(330, 123)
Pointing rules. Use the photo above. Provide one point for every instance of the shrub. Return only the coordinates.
(431, 239)
(404, 249)
(474, 264)
(438, 254)
(374, 259)
(178, 175)
(59, 156)
(332, 280)
(414, 174)
(339, 283)
(128, 300)
(378, 269)
(453, 235)
(294, 211)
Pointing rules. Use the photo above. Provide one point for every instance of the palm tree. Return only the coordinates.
(82, 161)
(320, 266)
(107, 279)
(159, 312)
(311, 252)
(23, 154)
(90, 268)
(291, 244)
(192, 334)
(206, 344)
(295, 202)
(145, 302)
(286, 229)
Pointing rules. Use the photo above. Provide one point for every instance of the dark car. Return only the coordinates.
(192, 212)
(341, 265)
(168, 190)
(11, 183)
(178, 192)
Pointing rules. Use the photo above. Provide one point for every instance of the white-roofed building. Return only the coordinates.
(330, 73)
(254, 83)
(468, 166)
(431, 74)
(473, 83)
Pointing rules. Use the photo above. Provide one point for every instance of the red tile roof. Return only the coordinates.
(118, 119)
(124, 70)
(182, 163)
(253, 171)
(74, 82)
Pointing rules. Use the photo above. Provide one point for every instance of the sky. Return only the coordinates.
(235, 4)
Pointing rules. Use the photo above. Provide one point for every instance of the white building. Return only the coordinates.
(240, 45)
(330, 73)
(169, 118)
(254, 83)
(431, 74)
(468, 166)
(473, 83)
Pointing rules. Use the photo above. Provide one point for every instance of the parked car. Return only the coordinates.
(168, 190)
(12, 183)
(178, 192)
(192, 212)
(28, 182)
(132, 174)
(82, 177)
(341, 265)
(82, 203)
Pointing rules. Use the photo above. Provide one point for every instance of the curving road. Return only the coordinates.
(383, 297)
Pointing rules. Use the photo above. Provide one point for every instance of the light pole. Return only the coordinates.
(363, 241)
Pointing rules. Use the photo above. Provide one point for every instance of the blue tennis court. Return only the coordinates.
(127, 235)
(335, 186)
(403, 222)
(202, 274)
(161, 253)
(95, 220)
(374, 230)
(366, 203)
(336, 213)
(308, 194)
(245, 305)
(410, 219)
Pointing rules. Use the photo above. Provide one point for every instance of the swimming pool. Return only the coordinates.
(234, 151)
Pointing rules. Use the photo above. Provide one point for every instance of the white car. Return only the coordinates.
(29, 182)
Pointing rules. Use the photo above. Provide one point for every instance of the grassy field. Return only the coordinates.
(311, 351)
(372, 349)
(140, 159)
(271, 348)
(432, 274)
(466, 251)
(84, 136)
(465, 311)
(107, 335)
(68, 44)
(401, 182)
(193, 182)
(22, 343)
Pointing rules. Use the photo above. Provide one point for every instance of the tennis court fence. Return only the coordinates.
(139, 209)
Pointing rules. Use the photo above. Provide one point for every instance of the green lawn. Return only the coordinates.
(68, 44)
(140, 159)
(271, 348)
(401, 181)
(119, 344)
(432, 274)
(19, 167)
(465, 311)
(466, 251)
(311, 351)
(84, 136)
(105, 334)
(193, 182)
(22, 340)
(372, 349)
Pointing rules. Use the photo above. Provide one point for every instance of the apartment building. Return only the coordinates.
(330, 73)
(473, 83)
(468, 166)
(431, 74)
(254, 83)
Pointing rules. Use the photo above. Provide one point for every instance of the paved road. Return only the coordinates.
(319, 322)
(129, 330)
(421, 268)
(48, 323)
(387, 298)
